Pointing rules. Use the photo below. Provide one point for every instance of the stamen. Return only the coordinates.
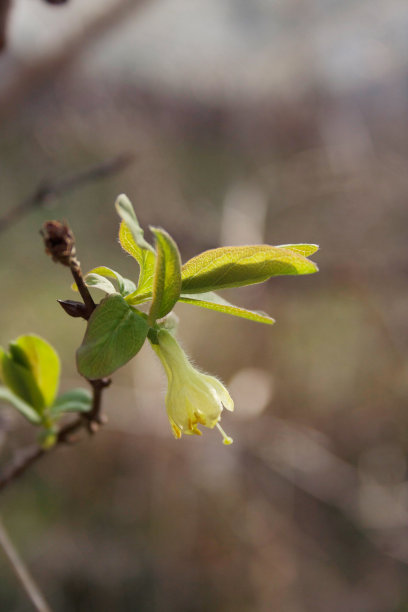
(176, 431)
(192, 428)
(226, 439)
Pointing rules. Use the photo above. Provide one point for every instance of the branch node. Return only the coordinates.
(60, 245)
(93, 427)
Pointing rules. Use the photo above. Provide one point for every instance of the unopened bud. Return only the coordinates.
(59, 242)
(73, 308)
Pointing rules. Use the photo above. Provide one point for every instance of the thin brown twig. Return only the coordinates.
(49, 190)
(83, 290)
(60, 245)
(22, 573)
(23, 461)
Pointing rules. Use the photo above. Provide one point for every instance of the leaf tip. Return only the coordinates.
(122, 200)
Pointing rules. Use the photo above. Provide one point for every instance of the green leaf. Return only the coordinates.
(18, 356)
(115, 333)
(131, 237)
(25, 409)
(75, 400)
(43, 362)
(167, 276)
(125, 285)
(97, 278)
(145, 259)
(21, 382)
(98, 282)
(243, 265)
(125, 210)
(214, 302)
(304, 249)
(135, 298)
(31, 370)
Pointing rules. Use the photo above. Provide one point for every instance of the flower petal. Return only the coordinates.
(193, 398)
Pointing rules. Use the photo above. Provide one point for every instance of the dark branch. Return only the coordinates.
(60, 245)
(94, 417)
(49, 190)
(23, 461)
(83, 289)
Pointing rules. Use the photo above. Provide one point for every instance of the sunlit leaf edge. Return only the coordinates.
(212, 301)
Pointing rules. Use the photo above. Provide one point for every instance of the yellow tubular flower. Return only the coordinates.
(193, 398)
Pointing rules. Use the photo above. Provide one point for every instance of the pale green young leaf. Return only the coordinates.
(125, 285)
(21, 381)
(126, 212)
(44, 364)
(115, 333)
(167, 276)
(242, 265)
(129, 244)
(25, 409)
(31, 370)
(96, 281)
(138, 298)
(75, 400)
(304, 249)
(214, 302)
(145, 259)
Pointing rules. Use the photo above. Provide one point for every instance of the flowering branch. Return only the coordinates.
(117, 329)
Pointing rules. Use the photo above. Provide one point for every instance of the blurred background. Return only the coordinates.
(273, 121)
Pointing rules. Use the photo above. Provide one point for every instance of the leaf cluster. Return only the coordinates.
(118, 327)
(30, 370)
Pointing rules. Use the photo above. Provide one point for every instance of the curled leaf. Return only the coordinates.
(144, 257)
(126, 211)
(167, 276)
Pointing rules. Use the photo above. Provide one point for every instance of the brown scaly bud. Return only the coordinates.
(59, 242)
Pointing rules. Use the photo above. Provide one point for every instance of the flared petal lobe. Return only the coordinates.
(193, 398)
